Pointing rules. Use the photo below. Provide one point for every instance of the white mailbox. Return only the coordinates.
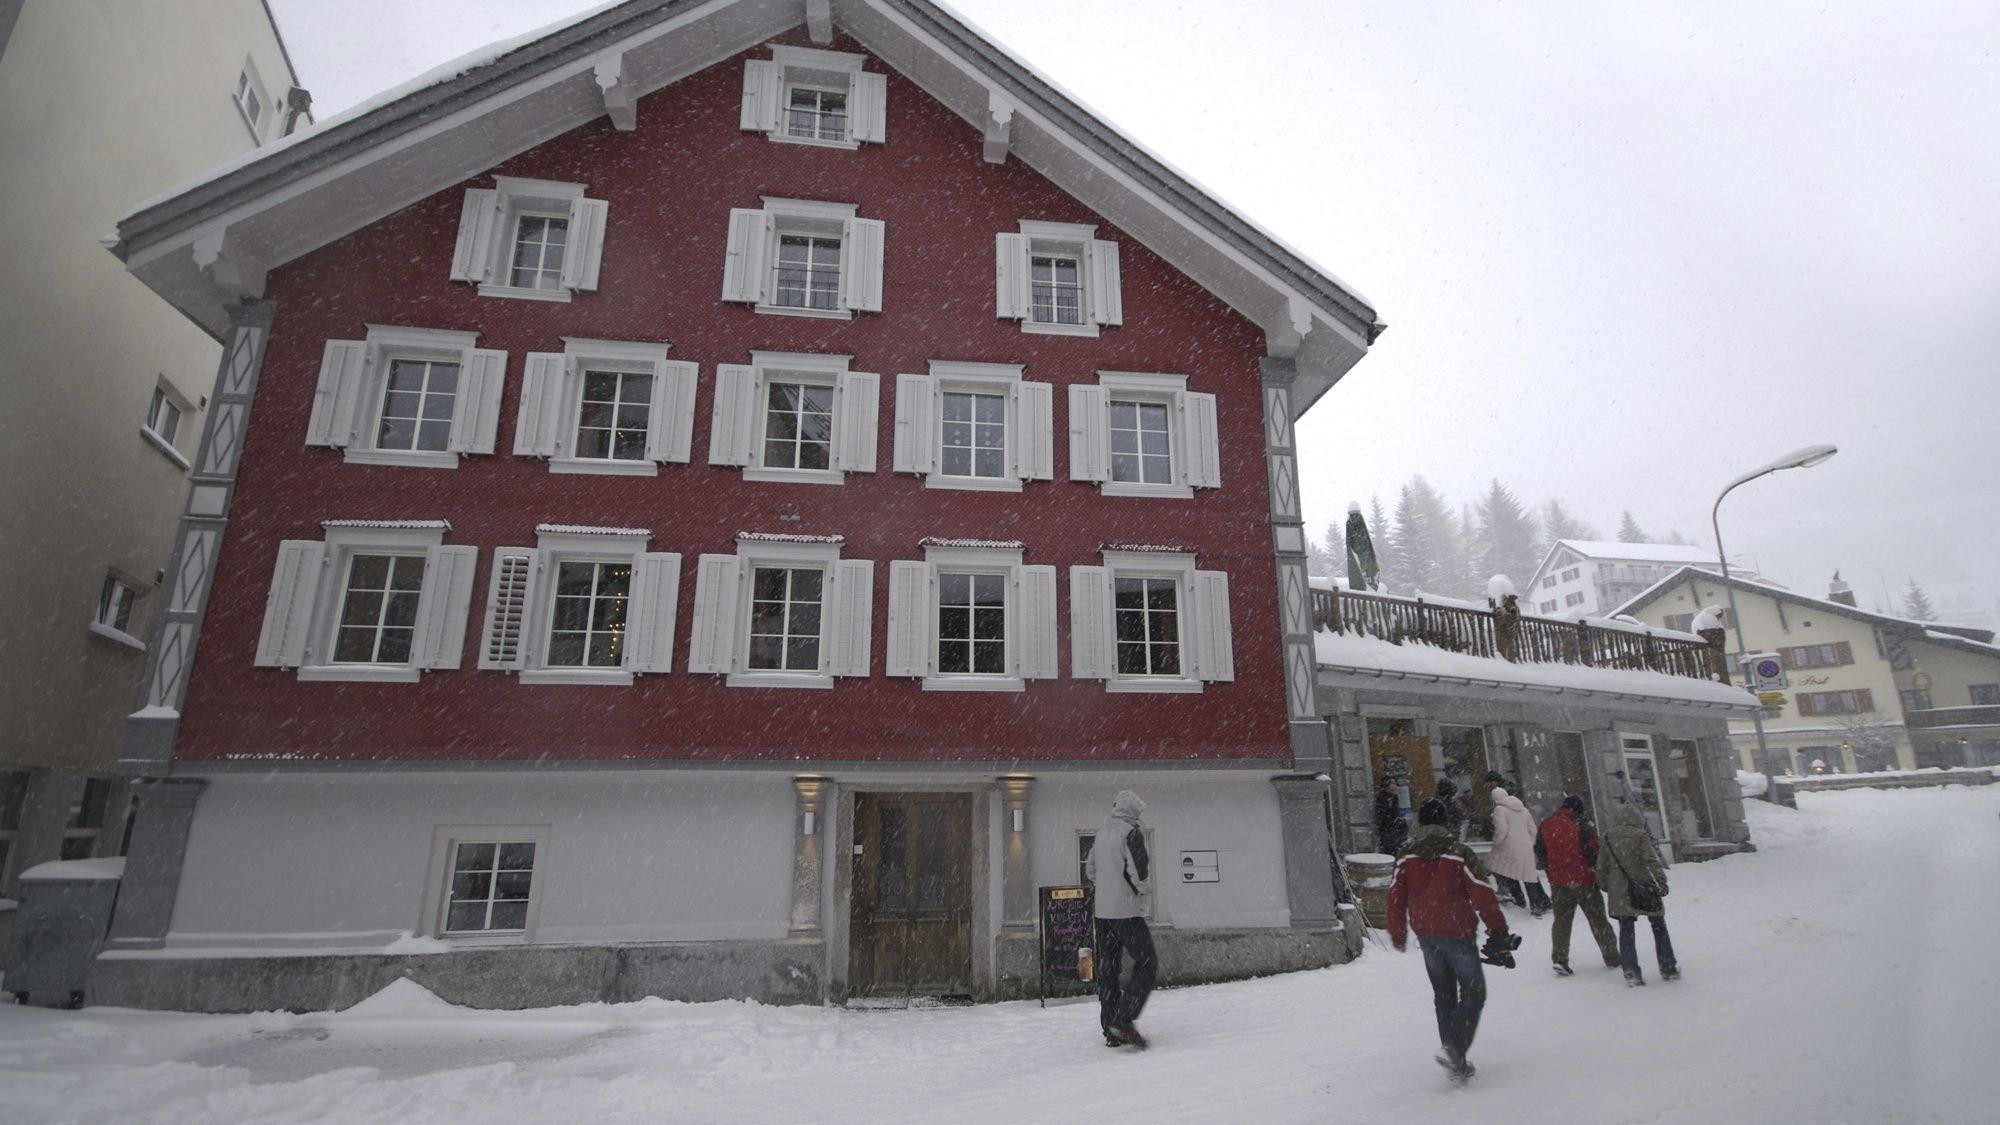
(1200, 867)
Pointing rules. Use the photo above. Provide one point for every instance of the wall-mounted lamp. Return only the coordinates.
(1020, 819)
(812, 822)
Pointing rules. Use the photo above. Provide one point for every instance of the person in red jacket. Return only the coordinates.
(1567, 846)
(1440, 891)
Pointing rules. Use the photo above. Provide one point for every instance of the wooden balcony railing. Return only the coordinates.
(1507, 635)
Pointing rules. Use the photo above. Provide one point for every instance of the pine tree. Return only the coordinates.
(1557, 523)
(1507, 538)
(1628, 530)
(1426, 541)
(1383, 537)
(1917, 604)
(1326, 557)
(1465, 557)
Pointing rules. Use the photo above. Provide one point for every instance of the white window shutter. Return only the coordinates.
(746, 268)
(1089, 433)
(1035, 647)
(847, 631)
(510, 604)
(858, 401)
(1107, 299)
(734, 418)
(1035, 444)
(1010, 276)
(909, 640)
(1214, 653)
(763, 90)
(340, 370)
(649, 618)
(1090, 623)
(288, 609)
(868, 107)
(536, 422)
(861, 265)
(478, 225)
(443, 606)
(915, 449)
(671, 436)
(584, 251)
(477, 416)
(1204, 447)
(712, 645)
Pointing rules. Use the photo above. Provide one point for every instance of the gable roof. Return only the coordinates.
(1962, 637)
(209, 242)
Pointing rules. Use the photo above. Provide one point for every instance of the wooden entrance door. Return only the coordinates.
(910, 930)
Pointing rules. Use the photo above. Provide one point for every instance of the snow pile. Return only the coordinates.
(106, 869)
(1372, 655)
(1499, 588)
(401, 999)
(1751, 785)
(1709, 618)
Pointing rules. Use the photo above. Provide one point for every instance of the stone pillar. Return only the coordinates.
(149, 732)
(809, 833)
(1310, 751)
(1308, 851)
(44, 814)
(1718, 652)
(163, 812)
(1017, 879)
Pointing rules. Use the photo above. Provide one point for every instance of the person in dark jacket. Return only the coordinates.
(1454, 808)
(1390, 828)
(1120, 869)
(1440, 891)
(1566, 845)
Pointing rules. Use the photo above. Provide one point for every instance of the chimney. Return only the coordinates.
(1839, 591)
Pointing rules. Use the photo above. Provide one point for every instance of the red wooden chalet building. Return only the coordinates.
(713, 500)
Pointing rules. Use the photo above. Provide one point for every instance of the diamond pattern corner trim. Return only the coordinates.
(1295, 599)
(191, 576)
(1299, 679)
(1284, 487)
(1278, 418)
(224, 440)
(242, 361)
(170, 670)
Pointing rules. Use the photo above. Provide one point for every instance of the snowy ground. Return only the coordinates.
(1846, 973)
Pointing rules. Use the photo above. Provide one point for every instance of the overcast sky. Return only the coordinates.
(1625, 251)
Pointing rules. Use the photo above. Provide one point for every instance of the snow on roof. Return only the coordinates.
(1958, 635)
(583, 529)
(1147, 548)
(1372, 655)
(82, 870)
(420, 525)
(788, 537)
(1638, 552)
(999, 544)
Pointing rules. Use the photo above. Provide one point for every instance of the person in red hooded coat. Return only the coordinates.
(1441, 892)
(1566, 845)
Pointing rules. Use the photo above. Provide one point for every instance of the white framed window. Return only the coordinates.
(803, 95)
(485, 882)
(783, 611)
(606, 406)
(1143, 434)
(537, 240)
(974, 426)
(585, 605)
(1549, 581)
(252, 103)
(1147, 620)
(971, 617)
(1573, 599)
(1057, 278)
(794, 417)
(1572, 574)
(417, 397)
(374, 600)
(113, 619)
(163, 421)
(802, 257)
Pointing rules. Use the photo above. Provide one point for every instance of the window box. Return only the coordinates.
(783, 611)
(972, 619)
(1057, 278)
(606, 406)
(586, 605)
(974, 426)
(536, 240)
(800, 257)
(418, 397)
(376, 601)
(485, 884)
(113, 620)
(1148, 621)
(802, 95)
(1139, 434)
(794, 418)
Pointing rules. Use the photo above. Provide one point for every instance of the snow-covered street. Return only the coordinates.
(1845, 973)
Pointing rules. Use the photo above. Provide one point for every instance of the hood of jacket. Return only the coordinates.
(1625, 816)
(1432, 841)
(1127, 806)
(1504, 799)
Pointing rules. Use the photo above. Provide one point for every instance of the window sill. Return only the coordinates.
(1043, 328)
(408, 460)
(973, 484)
(812, 142)
(794, 310)
(117, 636)
(974, 683)
(517, 293)
(607, 467)
(166, 448)
(792, 476)
(819, 681)
(598, 677)
(1155, 491)
(473, 939)
(1167, 685)
(360, 673)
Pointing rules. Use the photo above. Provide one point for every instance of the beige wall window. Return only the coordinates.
(1985, 695)
(251, 101)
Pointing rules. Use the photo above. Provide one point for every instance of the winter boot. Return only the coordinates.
(1563, 969)
(1670, 974)
(1113, 1037)
(1130, 1033)
(1634, 980)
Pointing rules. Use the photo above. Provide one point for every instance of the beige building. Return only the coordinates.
(1864, 691)
(102, 103)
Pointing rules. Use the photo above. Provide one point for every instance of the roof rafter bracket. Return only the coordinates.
(819, 21)
(225, 261)
(620, 101)
(1284, 341)
(999, 126)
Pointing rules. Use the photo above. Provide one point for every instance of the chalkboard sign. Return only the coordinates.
(1065, 922)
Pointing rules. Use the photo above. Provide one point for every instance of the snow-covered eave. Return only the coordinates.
(1553, 692)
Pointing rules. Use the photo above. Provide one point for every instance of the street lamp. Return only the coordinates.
(1797, 459)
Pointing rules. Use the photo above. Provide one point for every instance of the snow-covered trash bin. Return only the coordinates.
(1370, 874)
(64, 913)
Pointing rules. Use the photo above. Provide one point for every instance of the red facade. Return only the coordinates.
(670, 186)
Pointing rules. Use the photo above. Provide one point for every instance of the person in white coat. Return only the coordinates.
(1120, 869)
(1513, 858)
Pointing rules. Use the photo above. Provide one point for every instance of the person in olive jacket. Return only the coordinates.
(1627, 868)
(1567, 847)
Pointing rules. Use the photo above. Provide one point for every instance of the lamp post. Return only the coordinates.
(1797, 459)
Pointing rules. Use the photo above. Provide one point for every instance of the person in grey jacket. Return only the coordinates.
(1122, 872)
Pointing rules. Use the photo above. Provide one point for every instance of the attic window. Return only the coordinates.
(806, 96)
(250, 102)
(530, 239)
